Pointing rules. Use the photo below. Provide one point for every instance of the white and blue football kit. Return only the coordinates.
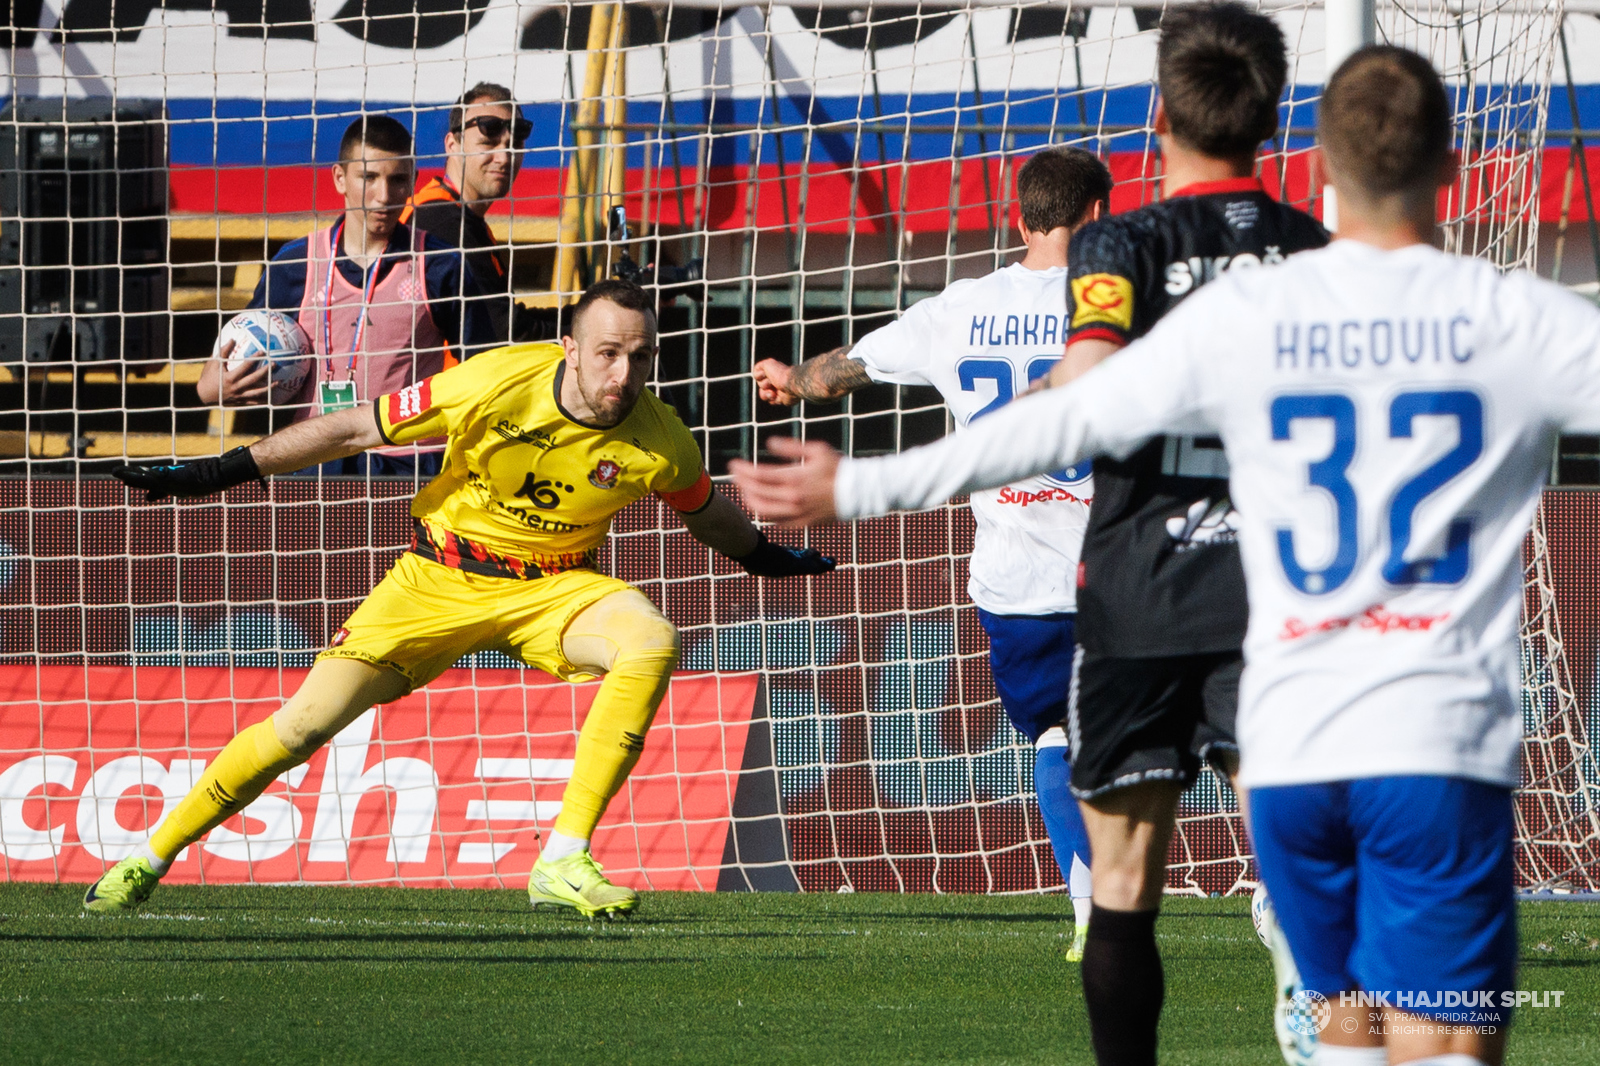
(980, 342)
(1388, 418)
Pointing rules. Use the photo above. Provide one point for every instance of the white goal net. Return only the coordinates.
(800, 174)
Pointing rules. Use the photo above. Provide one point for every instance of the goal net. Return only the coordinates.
(798, 175)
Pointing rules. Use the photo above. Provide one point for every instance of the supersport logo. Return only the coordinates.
(1022, 497)
(1374, 617)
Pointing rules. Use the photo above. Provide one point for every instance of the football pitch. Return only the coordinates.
(240, 975)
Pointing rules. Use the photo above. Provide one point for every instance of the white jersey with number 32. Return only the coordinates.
(1389, 418)
(980, 342)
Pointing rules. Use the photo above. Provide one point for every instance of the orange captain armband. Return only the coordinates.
(691, 499)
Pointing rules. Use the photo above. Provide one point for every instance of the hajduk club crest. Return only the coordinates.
(604, 475)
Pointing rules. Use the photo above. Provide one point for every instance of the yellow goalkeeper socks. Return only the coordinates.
(613, 734)
(251, 761)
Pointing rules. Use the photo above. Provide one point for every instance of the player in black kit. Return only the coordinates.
(1161, 598)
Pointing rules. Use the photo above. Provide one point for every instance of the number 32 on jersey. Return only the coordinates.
(1331, 475)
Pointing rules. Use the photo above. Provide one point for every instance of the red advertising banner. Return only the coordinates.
(452, 785)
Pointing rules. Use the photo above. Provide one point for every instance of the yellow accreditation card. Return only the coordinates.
(336, 396)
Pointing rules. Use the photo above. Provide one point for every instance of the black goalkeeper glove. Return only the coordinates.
(775, 560)
(202, 477)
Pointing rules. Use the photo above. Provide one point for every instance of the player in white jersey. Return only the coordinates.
(980, 342)
(1388, 412)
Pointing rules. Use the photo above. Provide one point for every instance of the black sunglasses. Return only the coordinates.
(493, 128)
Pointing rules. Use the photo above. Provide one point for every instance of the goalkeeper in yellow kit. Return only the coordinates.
(547, 443)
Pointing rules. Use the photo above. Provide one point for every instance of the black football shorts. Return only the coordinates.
(1135, 720)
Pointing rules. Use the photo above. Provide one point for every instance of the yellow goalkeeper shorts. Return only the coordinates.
(423, 617)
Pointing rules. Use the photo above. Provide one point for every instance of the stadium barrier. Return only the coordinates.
(837, 734)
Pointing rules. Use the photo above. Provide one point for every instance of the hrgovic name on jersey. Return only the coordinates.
(1378, 342)
(981, 342)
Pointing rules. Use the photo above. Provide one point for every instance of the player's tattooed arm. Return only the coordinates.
(824, 378)
(829, 376)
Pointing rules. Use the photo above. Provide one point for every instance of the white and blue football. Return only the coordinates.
(275, 337)
(1261, 915)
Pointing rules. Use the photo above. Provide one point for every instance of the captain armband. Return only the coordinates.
(692, 499)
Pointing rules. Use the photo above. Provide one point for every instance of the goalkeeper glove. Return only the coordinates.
(775, 560)
(202, 477)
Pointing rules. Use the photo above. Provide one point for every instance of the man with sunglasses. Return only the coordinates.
(483, 152)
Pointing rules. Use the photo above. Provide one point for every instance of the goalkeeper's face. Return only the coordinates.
(609, 357)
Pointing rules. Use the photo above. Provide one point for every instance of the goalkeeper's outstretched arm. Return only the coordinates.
(316, 440)
(722, 527)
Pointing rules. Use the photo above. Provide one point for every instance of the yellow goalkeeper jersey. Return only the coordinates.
(526, 489)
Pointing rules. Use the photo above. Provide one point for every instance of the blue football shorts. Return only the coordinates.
(1396, 885)
(1031, 659)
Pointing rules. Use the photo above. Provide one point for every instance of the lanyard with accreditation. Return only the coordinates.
(337, 395)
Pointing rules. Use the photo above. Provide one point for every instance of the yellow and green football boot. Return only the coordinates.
(122, 888)
(1080, 937)
(576, 882)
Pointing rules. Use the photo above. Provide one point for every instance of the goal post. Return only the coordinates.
(1350, 26)
(799, 174)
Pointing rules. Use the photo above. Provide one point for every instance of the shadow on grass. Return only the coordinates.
(426, 960)
(124, 935)
(154, 938)
(813, 918)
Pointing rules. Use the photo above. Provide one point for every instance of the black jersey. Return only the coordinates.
(1160, 572)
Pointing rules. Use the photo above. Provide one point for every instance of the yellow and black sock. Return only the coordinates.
(612, 738)
(251, 761)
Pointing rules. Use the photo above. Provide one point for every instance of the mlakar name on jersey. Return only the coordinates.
(998, 330)
(1380, 342)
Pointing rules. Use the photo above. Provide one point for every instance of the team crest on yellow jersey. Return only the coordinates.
(604, 475)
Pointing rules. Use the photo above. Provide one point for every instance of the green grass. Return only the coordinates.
(323, 975)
